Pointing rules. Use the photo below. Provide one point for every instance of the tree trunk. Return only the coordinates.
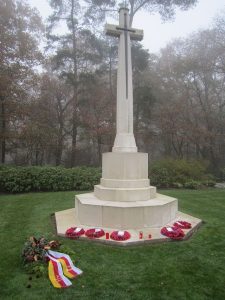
(74, 140)
(2, 130)
(75, 89)
(59, 151)
(99, 150)
(60, 138)
(37, 152)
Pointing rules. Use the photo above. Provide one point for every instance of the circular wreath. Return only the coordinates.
(175, 233)
(120, 235)
(74, 232)
(95, 233)
(182, 224)
(35, 249)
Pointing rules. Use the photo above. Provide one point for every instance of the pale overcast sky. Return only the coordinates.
(158, 34)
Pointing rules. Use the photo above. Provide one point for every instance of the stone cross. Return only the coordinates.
(124, 141)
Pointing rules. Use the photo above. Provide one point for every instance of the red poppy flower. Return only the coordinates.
(174, 233)
(120, 235)
(95, 233)
(182, 224)
(74, 232)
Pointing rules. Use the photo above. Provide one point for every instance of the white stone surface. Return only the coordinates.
(111, 30)
(124, 194)
(90, 198)
(65, 219)
(157, 212)
(125, 166)
(124, 178)
(121, 183)
(124, 141)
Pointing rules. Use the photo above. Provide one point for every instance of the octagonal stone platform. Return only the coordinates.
(94, 212)
(67, 218)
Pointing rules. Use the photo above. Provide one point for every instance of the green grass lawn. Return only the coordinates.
(194, 269)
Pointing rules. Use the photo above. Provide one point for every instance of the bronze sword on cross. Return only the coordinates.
(116, 31)
(126, 30)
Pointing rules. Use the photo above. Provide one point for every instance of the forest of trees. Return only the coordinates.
(58, 91)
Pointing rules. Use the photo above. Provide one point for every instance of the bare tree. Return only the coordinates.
(20, 29)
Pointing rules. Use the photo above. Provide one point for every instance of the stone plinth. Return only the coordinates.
(125, 199)
(125, 167)
(91, 211)
(124, 194)
(125, 178)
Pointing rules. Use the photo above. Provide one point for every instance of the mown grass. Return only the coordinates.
(194, 269)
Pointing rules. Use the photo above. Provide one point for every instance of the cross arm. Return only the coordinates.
(113, 30)
(137, 35)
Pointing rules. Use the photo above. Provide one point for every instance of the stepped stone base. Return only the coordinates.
(124, 200)
(125, 178)
(67, 218)
(124, 194)
(157, 212)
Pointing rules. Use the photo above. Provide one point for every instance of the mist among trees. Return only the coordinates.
(58, 91)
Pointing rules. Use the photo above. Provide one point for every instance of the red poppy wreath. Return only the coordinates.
(74, 232)
(182, 224)
(175, 233)
(95, 233)
(120, 235)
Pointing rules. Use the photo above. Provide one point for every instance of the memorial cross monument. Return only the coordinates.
(124, 199)
(124, 141)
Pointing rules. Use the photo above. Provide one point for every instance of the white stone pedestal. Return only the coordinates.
(156, 212)
(124, 200)
(124, 178)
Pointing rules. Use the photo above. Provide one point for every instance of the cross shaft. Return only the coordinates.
(124, 141)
